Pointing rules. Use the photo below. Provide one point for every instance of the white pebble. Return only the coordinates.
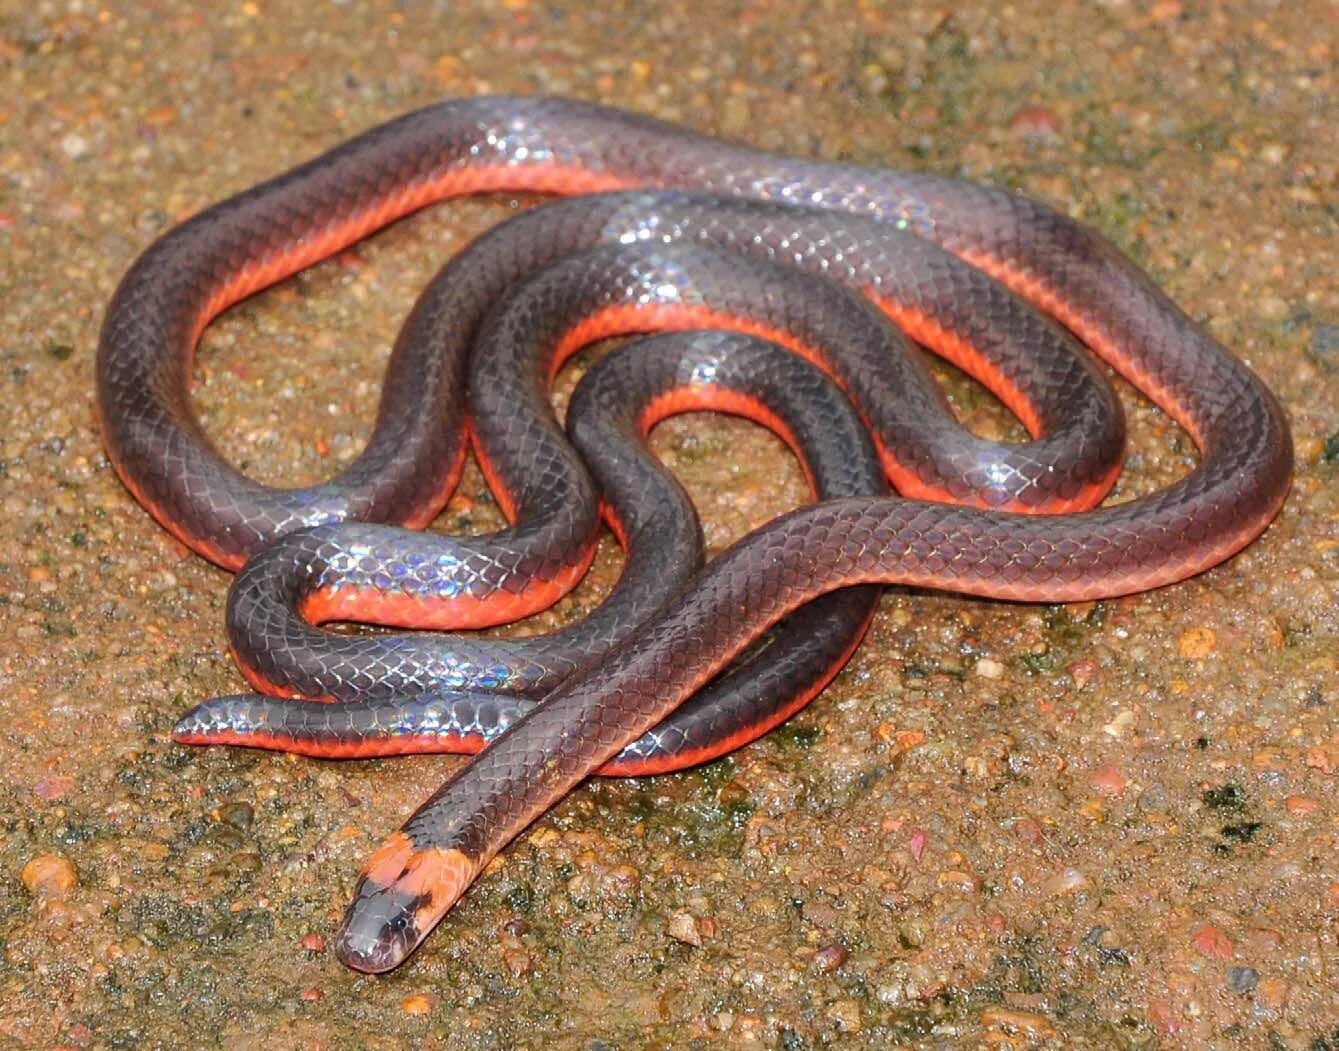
(989, 669)
(74, 146)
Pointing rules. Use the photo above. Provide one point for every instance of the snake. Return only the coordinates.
(280, 592)
(686, 231)
(610, 415)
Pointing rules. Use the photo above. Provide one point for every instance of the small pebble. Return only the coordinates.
(1272, 307)
(418, 1003)
(989, 669)
(1030, 1024)
(1092, 809)
(1107, 780)
(845, 1014)
(1272, 994)
(683, 927)
(310, 996)
(49, 789)
(1120, 725)
(1263, 941)
(312, 942)
(1322, 758)
(961, 881)
(903, 740)
(238, 815)
(50, 876)
(1209, 941)
(1082, 672)
(732, 793)
(1242, 979)
(748, 1027)
(1196, 643)
(74, 146)
(1273, 153)
(1066, 881)
(1154, 800)
(1029, 830)
(517, 961)
(890, 993)
(1163, 1017)
(830, 957)
(1036, 124)
(1325, 346)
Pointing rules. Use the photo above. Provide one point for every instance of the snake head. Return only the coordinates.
(401, 896)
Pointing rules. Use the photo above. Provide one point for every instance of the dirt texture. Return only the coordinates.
(1108, 826)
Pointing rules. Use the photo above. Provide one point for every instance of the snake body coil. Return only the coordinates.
(703, 234)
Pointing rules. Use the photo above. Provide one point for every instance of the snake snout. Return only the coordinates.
(379, 930)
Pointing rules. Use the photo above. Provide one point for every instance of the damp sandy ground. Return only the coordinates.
(1104, 826)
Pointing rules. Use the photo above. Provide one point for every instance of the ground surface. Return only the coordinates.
(1104, 826)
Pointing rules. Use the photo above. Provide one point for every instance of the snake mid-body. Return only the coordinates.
(729, 247)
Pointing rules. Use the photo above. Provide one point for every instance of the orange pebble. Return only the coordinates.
(1108, 780)
(418, 1003)
(1212, 942)
(1196, 643)
(50, 876)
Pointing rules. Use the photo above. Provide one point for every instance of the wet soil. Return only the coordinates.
(1110, 825)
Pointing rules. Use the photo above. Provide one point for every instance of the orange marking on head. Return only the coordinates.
(386, 865)
(437, 875)
(440, 876)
